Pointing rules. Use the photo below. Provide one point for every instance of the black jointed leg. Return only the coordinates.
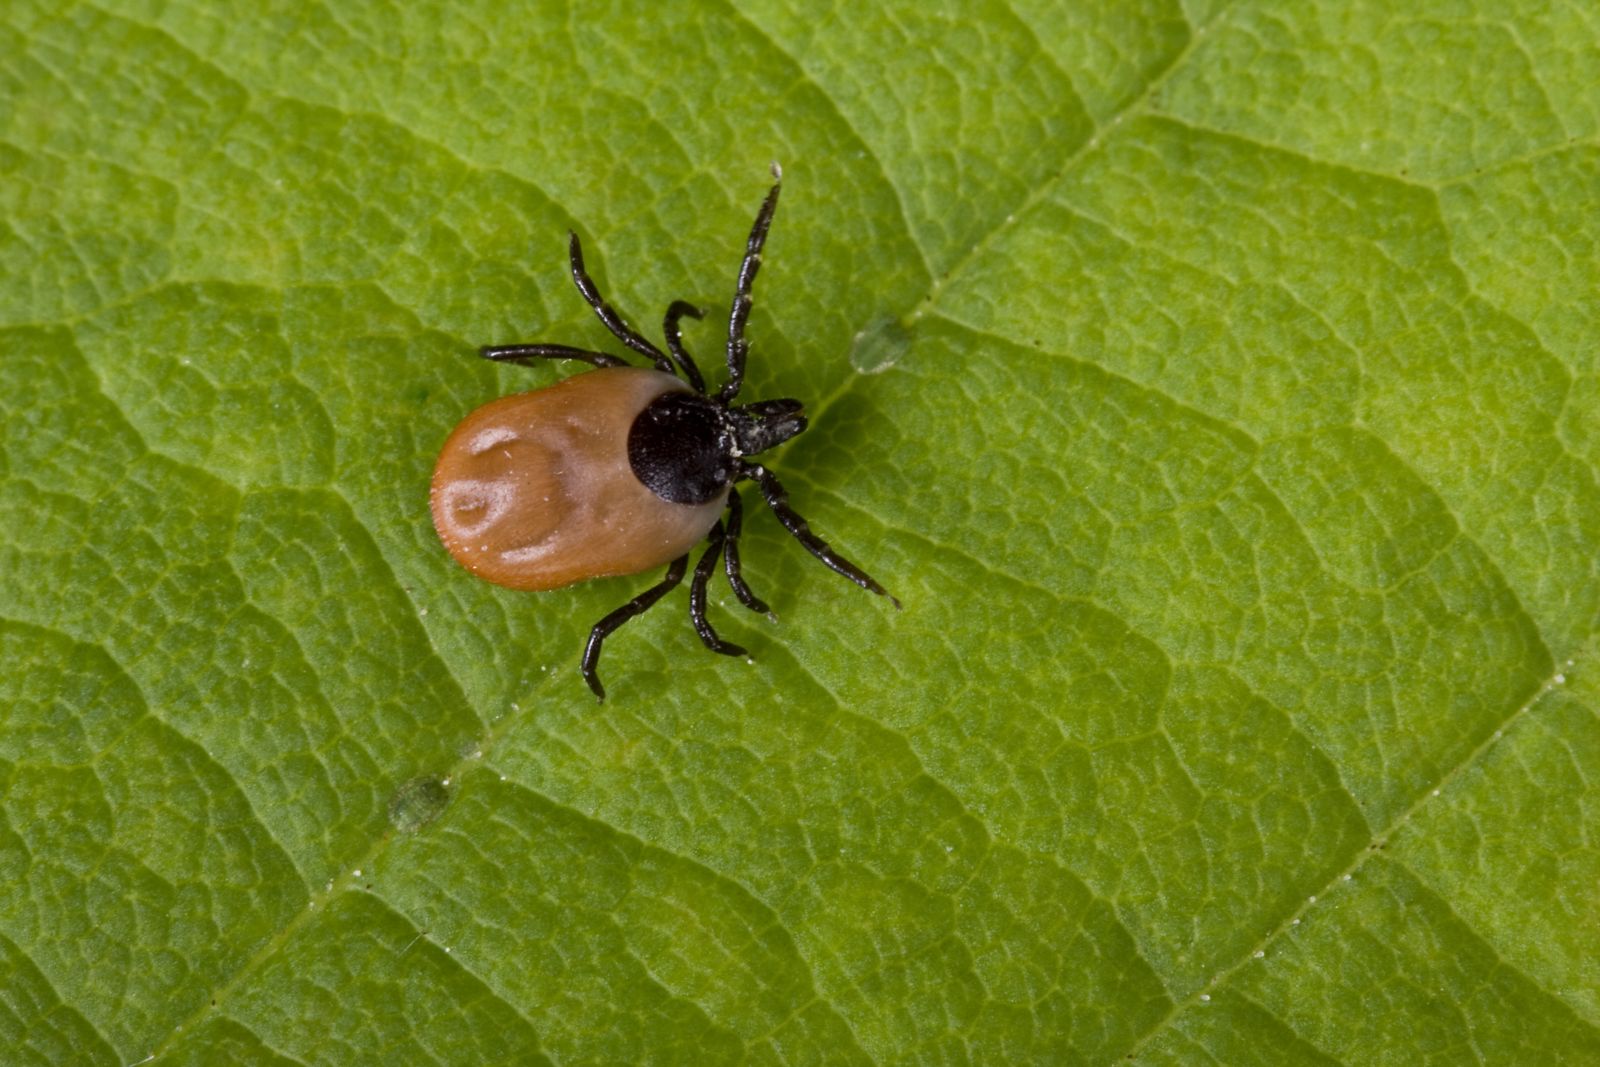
(637, 606)
(738, 347)
(608, 314)
(730, 554)
(669, 326)
(697, 596)
(526, 354)
(778, 501)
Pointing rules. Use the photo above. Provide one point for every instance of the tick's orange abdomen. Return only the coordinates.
(535, 491)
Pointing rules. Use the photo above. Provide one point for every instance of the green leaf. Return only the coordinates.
(1216, 384)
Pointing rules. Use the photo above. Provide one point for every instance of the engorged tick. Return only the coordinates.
(621, 469)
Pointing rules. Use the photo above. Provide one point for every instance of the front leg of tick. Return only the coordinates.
(739, 315)
(778, 501)
(635, 607)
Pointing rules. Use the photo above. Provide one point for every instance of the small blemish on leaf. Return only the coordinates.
(879, 345)
(417, 803)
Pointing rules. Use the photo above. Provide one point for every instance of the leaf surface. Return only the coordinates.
(1215, 383)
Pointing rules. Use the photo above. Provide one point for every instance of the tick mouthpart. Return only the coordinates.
(765, 424)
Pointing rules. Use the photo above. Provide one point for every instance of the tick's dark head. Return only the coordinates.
(765, 424)
(686, 448)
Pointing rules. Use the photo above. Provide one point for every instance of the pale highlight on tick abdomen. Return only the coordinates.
(535, 491)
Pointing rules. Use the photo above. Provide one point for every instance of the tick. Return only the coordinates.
(622, 469)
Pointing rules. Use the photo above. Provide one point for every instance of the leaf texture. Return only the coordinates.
(1216, 383)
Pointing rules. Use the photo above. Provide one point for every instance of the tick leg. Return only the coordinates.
(608, 625)
(738, 347)
(730, 554)
(778, 501)
(608, 314)
(526, 354)
(669, 326)
(697, 597)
